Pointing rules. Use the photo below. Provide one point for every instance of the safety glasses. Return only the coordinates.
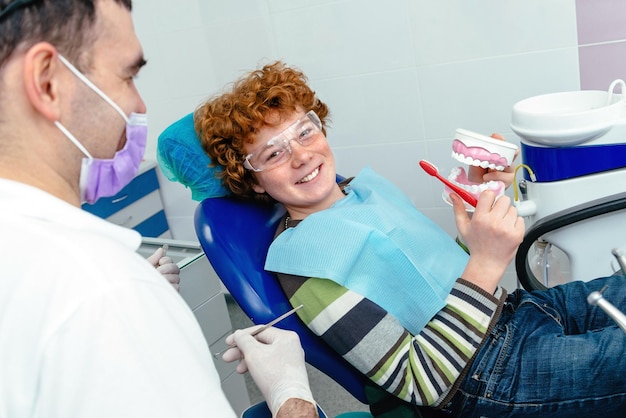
(277, 150)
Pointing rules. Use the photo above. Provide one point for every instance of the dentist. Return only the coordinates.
(81, 335)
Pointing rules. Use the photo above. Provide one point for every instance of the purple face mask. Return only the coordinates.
(106, 177)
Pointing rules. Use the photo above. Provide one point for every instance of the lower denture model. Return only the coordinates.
(478, 150)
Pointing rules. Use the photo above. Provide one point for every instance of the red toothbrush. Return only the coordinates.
(464, 194)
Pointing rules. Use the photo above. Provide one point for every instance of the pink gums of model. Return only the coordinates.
(480, 151)
(478, 156)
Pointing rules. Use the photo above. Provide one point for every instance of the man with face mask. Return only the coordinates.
(106, 177)
(88, 328)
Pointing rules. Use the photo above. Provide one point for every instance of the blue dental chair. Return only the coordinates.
(235, 237)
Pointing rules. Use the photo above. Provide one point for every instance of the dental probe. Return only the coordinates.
(264, 327)
(595, 298)
(621, 259)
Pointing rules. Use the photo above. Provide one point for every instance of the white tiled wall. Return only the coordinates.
(399, 75)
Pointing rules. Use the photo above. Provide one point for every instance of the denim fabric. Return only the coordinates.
(551, 354)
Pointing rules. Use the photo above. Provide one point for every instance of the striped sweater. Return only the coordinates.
(420, 369)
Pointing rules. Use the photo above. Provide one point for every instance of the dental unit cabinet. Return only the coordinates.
(573, 145)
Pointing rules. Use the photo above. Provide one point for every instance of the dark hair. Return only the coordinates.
(66, 24)
(224, 123)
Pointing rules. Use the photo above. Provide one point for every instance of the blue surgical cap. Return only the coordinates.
(181, 158)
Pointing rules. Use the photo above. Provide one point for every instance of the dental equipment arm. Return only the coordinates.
(621, 259)
(595, 298)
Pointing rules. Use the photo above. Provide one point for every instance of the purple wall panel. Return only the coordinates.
(600, 20)
(602, 42)
(601, 64)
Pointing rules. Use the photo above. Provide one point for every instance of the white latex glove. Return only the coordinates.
(165, 265)
(275, 360)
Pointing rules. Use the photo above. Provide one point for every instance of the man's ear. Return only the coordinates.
(41, 79)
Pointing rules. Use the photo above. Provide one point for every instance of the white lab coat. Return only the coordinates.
(88, 328)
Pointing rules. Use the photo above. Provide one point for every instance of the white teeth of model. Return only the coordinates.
(477, 163)
(485, 164)
(474, 189)
(477, 188)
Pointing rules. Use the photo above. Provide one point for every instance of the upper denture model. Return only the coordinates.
(478, 150)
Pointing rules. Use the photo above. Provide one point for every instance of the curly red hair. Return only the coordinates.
(224, 123)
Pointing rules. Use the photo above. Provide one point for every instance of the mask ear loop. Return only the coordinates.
(92, 86)
(72, 138)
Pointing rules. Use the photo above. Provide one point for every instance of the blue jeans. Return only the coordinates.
(551, 354)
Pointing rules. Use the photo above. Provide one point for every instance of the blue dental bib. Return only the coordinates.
(377, 244)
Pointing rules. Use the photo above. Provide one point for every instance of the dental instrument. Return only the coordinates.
(595, 298)
(264, 327)
(621, 259)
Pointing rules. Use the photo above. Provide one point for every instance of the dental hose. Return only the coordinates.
(533, 178)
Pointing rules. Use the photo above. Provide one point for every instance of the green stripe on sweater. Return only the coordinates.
(316, 294)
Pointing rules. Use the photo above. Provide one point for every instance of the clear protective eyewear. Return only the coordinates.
(277, 150)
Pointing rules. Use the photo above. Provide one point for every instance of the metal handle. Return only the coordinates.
(621, 259)
(595, 298)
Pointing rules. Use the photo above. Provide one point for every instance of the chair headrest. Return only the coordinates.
(181, 158)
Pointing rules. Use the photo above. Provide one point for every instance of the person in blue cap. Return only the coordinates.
(395, 296)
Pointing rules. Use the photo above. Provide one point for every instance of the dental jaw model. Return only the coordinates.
(478, 150)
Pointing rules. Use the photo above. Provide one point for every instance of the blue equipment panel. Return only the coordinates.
(553, 164)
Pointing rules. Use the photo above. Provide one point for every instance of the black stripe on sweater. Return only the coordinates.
(346, 333)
